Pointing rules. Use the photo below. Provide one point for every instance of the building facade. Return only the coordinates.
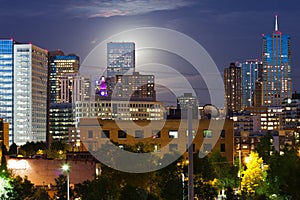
(119, 110)
(7, 83)
(277, 80)
(60, 119)
(291, 112)
(59, 65)
(120, 58)
(251, 72)
(171, 136)
(30, 93)
(73, 88)
(233, 88)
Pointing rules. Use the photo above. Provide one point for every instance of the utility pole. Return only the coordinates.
(190, 153)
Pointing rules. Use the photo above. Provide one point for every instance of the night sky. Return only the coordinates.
(230, 30)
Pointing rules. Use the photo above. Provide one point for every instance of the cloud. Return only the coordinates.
(104, 8)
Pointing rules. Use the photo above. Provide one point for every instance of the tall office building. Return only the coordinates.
(120, 58)
(72, 88)
(233, 88)
(59, 65)
(7, 83)
(277, 81)
(251, 72)
(60, 120)
(134, 87)
(30, 93)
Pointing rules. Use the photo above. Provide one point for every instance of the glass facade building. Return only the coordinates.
(277, 81)
(6, 83)
(251, 72)
(61, 119)
(59, 66)
(120, 58)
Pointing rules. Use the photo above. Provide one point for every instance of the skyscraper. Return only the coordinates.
(233, 88)
(72, 88)
(60, 64)
(251, 72)
(7, 83)
(120, 58)
(276, 77)
(30, 93)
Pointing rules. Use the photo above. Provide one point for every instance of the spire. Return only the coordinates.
(276, 22)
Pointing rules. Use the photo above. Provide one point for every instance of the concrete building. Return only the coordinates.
(43, 172)
(119, 110)
(291, 112)
(73, 88)
(30, 93)
(162, 136)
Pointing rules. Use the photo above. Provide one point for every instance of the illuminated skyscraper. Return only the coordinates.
(120, 58)
(251, 72)
(6, 83)
(30, 93)
(276, 77)
(233, 88)
(60, 65)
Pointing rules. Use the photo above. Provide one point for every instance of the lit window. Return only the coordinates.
(173, 134)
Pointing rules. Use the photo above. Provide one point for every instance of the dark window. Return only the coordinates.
(207, 133)
(90, 134)
(105, 134)
(122, 134)
(173, 147)
(207, 148)
(139, 134)
(223, 149)
(223, 133)
(187, 148)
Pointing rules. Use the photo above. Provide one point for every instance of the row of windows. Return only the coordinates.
(155, 134)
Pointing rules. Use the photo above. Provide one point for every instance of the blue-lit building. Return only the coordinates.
(251, 72)
(120, 58)
(276, 77)
(6, 83)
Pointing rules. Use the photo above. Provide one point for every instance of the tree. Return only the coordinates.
(204, 190)
(253, 176)
(101, 188)
(3, 166)
(13, 149)
(61, 184)
(22, 188)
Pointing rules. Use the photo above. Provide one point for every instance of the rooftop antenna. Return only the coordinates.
(276, 22)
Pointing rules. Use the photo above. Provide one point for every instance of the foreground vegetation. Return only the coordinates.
(267, 175)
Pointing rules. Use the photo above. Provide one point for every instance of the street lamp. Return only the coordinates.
(66, 168)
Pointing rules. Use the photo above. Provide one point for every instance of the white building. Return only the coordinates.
(119, 110)
(30, 93)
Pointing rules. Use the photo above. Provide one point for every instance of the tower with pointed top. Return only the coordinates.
(276, 75)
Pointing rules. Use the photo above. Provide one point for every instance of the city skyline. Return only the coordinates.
(229, 31)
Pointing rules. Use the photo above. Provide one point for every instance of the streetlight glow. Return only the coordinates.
(66, 168)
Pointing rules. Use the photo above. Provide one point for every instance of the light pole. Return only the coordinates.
(66, 168)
